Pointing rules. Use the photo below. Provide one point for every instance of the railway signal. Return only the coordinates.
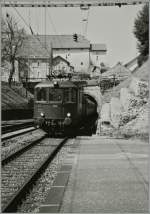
(75, 37)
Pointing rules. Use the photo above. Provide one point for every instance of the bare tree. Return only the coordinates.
(12, 39)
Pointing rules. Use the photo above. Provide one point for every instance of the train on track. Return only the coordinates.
(61, 107)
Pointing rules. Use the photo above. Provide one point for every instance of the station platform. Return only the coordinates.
(101, 175)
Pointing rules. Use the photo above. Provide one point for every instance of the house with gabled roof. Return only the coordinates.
(61, 66)
(132, 64)
(37, 49)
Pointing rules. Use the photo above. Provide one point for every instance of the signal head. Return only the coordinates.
(75, 37)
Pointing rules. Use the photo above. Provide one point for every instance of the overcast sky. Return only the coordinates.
(110, 25)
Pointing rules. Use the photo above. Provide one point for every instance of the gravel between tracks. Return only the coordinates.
(15, 173)
(12, 145)
(38, 194)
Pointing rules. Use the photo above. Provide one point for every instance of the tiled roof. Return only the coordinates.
(98, 47)
(131, 61)
(57, 59)
(35, 45)
(143, 72)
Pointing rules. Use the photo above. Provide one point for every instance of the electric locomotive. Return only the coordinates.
(61, 107)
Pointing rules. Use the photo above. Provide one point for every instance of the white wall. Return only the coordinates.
(79, 59)
(38, 69)
(97, 58)
(75, 57)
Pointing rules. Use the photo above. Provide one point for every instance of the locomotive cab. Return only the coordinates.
(54, 100)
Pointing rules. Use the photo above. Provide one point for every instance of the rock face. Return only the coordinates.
(134, 86)
(105, 113)
(138, 87)
(125, 98)
(128, 113)
(138, 126)
(115, 111)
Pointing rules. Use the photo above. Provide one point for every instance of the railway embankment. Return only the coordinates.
(125, 108)
(16, 102)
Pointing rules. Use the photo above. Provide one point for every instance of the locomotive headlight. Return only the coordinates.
(42, 114)
(68, 114)
(56, 84)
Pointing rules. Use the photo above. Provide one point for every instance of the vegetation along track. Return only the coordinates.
(20, 174)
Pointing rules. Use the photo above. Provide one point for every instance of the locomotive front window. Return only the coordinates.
(55, 95)
(70, 95)
(41, 94)
(67, 95)
(74, 95)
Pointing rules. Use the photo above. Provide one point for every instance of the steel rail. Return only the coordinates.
(15, 127)
(20, 151)
(11, 206)
(22, 131)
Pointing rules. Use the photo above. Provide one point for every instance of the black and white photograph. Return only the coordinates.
(74, 106)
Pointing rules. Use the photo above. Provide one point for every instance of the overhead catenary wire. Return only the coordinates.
(36, 15)
(32, 32)
(85, 19)
(86, 26)
(28, 45)
(54, 28)
(45, 9)
(31, 29)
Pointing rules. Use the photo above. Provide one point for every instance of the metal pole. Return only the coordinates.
(28, 71)
(26, 86)
(51, 60)
(114, 81)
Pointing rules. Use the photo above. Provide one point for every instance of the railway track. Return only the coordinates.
(14, 126)
(21, 170)
(17, 133)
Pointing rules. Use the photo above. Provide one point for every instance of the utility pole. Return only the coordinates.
(27, 76)
(114, 80)
(51, 60)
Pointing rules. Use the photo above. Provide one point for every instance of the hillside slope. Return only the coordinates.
(13, 98)
(128, 105)
(141, 73)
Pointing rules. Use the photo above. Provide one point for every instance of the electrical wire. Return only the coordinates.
(45, 24)
(45, 16)
(87, 23)
(54, 28)
(33, 34)
(31, 29)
